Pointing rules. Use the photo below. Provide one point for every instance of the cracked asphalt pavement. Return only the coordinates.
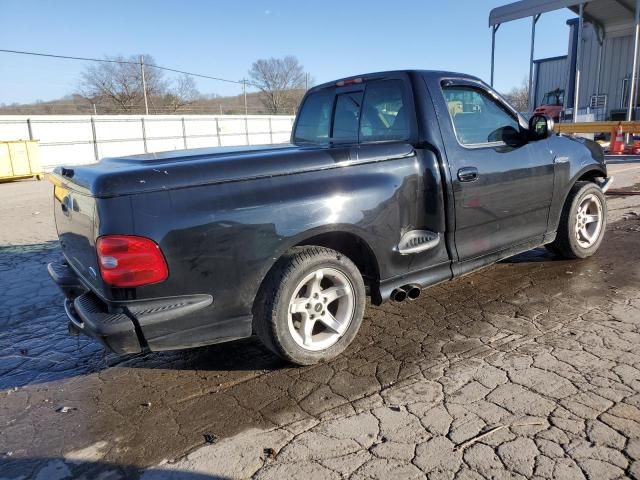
(527, 369)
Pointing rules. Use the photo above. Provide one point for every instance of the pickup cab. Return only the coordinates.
(392, 182)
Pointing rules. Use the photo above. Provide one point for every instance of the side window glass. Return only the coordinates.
(384, 116)
(477, 118)
(346, 117)
(314, 119)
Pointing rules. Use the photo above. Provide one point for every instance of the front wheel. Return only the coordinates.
(310, 306)
(583, 222)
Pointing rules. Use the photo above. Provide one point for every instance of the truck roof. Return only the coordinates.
(427, 73)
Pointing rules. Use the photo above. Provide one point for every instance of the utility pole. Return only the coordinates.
(244, 92)
(95, 111)
(144, 86)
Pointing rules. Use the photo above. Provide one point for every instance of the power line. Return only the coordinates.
(85, 59)
(198, 75)
(126, 62)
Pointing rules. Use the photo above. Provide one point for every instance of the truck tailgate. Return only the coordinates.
(75, 217)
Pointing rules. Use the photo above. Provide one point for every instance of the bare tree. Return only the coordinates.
(518, 97)
(183, 92)
(281, 82)
(121, 83)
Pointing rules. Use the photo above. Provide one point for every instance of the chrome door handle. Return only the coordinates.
(468, 174)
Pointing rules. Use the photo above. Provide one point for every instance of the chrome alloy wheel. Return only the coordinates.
(589, 221)
(321, 309)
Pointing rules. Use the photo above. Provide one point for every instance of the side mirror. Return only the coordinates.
(509, 135)
(541, 127)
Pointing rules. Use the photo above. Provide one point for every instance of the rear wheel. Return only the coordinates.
(583, 222)
(311, 305)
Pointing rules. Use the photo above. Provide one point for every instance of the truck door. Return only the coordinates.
(502, 184)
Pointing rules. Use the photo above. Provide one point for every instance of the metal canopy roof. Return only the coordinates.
(600, 12)
(608, 12)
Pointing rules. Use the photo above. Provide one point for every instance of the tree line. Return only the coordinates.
(117, 86)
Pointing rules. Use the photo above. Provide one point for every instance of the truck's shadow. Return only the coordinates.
(48, 468)
(36, 348)
(536, 255)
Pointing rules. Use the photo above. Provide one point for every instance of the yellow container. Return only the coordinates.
(20, 159)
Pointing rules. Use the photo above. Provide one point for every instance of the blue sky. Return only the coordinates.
(222, 38)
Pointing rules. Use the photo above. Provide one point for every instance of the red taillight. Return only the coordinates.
(128, 261)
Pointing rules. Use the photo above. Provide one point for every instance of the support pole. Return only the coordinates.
(633, 82)
(94, 137)
(601, 47)
(184, 133)
(244, 93)
(144, 86)
(30, 128)
(218, 132)
(494, 29)
(599, 67)
(638, 75)
(534, 20)
(576, 90)
(144, 135)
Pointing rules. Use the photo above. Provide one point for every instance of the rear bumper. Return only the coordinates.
(117, 324)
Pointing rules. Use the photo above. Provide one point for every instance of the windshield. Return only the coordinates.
(553, 98)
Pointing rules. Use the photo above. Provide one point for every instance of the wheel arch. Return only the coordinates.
(351, 245)
(339, 238)
(588, 173)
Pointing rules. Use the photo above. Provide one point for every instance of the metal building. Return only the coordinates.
(602, 53)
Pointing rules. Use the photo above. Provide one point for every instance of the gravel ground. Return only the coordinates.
(527, 369)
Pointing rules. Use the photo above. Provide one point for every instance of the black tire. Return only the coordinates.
(271, 308)
(566, 244)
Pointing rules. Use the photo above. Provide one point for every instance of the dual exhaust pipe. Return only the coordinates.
(405, 292)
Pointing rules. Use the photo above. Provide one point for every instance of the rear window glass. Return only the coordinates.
(377, 114)
(314, 119)
(384, 116)
(347, 117)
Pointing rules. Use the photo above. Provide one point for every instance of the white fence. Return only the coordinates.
(77, 139)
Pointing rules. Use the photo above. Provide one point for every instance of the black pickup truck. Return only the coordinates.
(392, 182)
